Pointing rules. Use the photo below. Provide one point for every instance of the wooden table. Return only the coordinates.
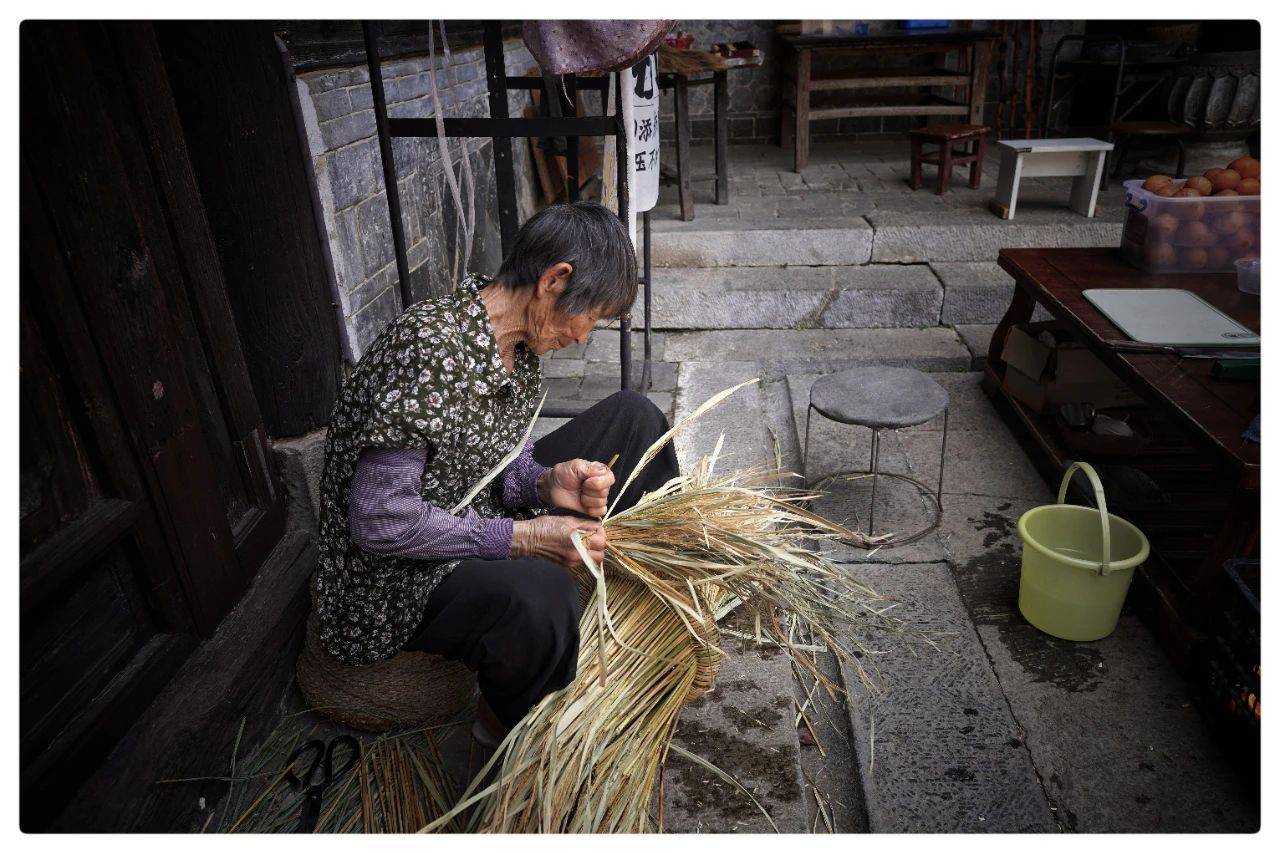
(1198, 457)
(970, 79)
(716, 75)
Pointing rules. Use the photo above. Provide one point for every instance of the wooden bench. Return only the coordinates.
(1081, 159)
(879, 89)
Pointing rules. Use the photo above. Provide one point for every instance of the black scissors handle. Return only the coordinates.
(321, 767)
(322, 763)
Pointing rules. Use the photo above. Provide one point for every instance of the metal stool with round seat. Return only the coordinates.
(881, 398)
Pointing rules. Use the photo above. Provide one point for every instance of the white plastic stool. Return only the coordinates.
(1081, 159)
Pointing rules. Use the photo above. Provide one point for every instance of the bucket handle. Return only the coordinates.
(1101, 498)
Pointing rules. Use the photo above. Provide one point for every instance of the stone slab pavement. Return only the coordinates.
(853, 205)
(976, 339)
(1110, 725)
(743, 723)
(939, 749)
(1108, 728)
(783, 351)
(797, 297)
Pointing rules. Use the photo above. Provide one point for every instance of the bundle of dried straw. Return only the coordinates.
(587, 759)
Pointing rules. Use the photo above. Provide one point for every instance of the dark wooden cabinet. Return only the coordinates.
(146, 499)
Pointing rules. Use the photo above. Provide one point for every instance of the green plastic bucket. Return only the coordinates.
(1077, 563)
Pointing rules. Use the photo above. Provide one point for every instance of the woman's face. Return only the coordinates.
(546, 327)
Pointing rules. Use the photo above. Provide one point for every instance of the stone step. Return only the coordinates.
(938, 749)
(867, 296)
(975, 293)
(762, 243)
(822, 350)
(744, 724)
(903, 236)
(978, 340)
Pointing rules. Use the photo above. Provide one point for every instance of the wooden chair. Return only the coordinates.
(953, 141)
(1126, 134)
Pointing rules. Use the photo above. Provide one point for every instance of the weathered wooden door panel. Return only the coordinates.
(89, 618)
(233, 96)
(73, 147)
(230, 411)
(147, 502)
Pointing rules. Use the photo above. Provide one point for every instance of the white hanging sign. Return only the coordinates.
(641, 86)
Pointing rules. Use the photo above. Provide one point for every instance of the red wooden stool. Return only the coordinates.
(948, 137)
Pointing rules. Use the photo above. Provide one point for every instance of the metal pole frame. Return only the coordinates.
(501, 127)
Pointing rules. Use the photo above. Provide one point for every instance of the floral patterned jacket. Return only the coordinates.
(433, 379)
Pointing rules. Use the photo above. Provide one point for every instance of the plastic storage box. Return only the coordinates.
(1205, 234)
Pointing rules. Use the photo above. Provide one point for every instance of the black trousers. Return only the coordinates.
(515, 622)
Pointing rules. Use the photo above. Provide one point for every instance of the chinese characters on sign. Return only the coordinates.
(643, 145)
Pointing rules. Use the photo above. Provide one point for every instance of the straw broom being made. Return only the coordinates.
(587, 758)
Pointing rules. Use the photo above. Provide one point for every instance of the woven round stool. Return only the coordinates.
(881, 398)
(409, 690)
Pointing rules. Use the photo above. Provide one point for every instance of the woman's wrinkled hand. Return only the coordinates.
(549, 537)
(578, 485)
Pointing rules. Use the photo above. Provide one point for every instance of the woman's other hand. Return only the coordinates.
(549, 537)
(578, 485)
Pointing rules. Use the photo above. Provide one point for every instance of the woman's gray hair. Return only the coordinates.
(593, 240)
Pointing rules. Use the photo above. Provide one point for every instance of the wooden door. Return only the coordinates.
(146, 500)
(236, 100)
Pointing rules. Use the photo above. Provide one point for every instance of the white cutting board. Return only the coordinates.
(1170, 317)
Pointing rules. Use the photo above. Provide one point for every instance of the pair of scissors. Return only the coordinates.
(319, 775)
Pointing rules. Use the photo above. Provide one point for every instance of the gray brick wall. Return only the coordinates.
(337, 105)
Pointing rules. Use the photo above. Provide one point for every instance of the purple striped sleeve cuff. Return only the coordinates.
(520, 480)
(386, 514)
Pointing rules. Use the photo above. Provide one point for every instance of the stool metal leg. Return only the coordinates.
(942, 460)
(804, 457)
(875, 471)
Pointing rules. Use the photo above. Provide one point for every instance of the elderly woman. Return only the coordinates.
(435, 404)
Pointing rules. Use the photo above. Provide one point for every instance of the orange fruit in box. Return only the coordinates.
(1195, 259)
(1229, 223)
(1201, 185)
(1218, 257)
(1249, 186)
(1248, 167)
(1194, 233)
(1187, 209)
(1161, 255)
(1156, 181)
(1211, 172)
(1226, 179)
(1165, 190)
(1164, 224)
(1242, 241)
